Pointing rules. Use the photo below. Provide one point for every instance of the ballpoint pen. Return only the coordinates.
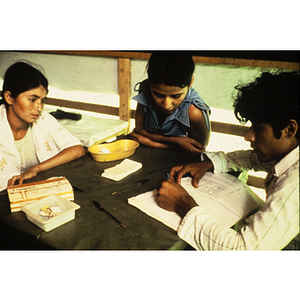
(77, 189)
(100, 207)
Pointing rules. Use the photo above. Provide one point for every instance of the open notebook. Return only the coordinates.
(226, 197)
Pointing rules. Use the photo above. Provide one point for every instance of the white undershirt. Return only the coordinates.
(27, 151)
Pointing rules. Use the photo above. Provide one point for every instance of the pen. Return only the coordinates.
(77, 189)
(138, 183)
(99, 206)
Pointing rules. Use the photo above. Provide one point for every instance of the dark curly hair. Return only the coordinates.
(21, 77)
(271, 98)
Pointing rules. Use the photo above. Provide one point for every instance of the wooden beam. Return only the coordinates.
(103, 109)
(226, 128)
(197, 59)
(115, 54)
(124, 86)
(247, 62)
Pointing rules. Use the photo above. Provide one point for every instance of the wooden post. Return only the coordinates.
(124, 85)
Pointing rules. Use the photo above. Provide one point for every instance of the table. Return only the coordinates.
(92, 229)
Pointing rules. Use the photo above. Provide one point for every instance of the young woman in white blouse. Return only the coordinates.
(31, 140)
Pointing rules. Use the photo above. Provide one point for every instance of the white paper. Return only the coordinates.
(225, 196)
(120, 171)
(147, 203)
(104, 150)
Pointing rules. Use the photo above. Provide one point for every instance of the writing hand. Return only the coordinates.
(173, 197)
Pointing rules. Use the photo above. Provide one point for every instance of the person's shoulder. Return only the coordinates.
(197, 101)
(45, 115)
(195, 113)
(46, 119)
(2, 108)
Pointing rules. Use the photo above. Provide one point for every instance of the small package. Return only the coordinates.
(64, 214)
(23, 194)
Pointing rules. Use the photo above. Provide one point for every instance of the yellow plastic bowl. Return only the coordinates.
(118, 150)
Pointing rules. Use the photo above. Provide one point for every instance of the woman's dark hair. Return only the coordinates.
(173, 68)
(21, 77)
(271, 99)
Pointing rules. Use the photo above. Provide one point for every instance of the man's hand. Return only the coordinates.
(173, 197)
(197, 171)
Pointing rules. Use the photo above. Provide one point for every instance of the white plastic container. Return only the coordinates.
(67, 207)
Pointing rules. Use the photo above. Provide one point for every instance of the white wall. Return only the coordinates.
(82, 78)
(94, 79)
(215, 83)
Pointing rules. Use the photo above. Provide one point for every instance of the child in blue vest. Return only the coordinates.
(170, 114)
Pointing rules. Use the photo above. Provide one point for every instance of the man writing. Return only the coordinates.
(271, 103)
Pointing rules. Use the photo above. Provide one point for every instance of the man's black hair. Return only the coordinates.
(271, 99)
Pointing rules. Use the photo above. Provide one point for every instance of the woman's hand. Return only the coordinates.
(173, 197)
(189, 145)
(31, 172)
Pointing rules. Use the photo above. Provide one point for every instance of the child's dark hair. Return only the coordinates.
(174, 68)
(21, 77)
(271, 99)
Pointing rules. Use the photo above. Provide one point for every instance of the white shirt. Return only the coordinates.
(49, 139)
(272, 228)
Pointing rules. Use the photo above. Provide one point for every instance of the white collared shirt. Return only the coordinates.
(49, 138)
(272, 228)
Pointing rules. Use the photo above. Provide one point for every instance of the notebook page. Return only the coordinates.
(225, 196)
(146, 202)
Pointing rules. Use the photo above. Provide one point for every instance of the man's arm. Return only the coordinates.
(172, 196)
(272, 228)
